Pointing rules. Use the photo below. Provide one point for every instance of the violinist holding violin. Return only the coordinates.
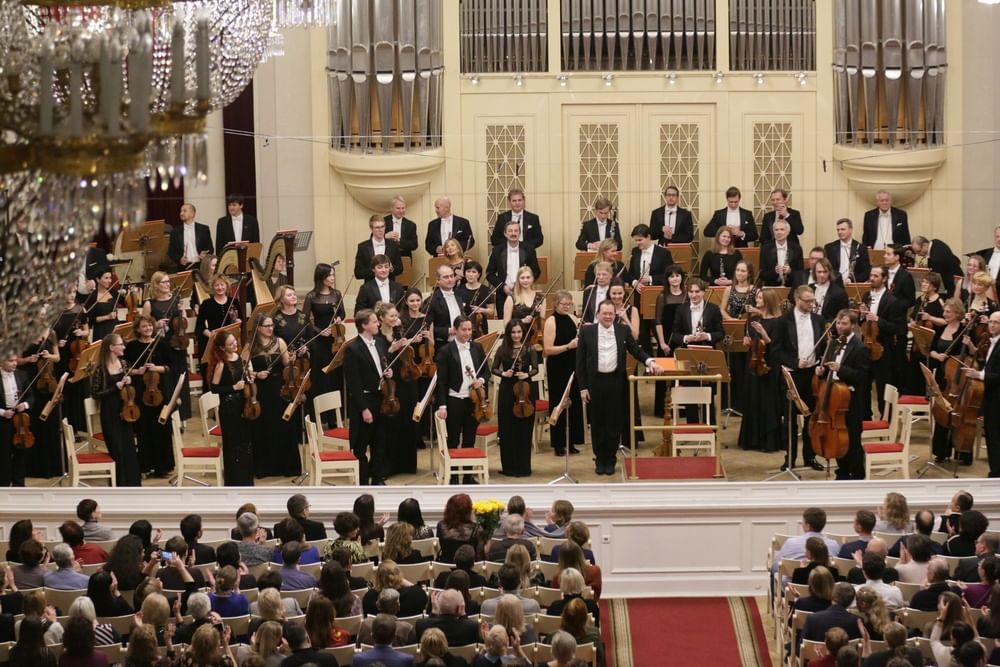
(849, 365)
(41, 358)
(364, 371)
(163, 306)
(150, 359)
(883, 329)
(454, 361)
(216, 312)
(515, 363)
(760, 427)
(275, 444)
(16, 401)
(228, 378)
(108, 384)
(325, 305)
(990, 375)
(403, 432)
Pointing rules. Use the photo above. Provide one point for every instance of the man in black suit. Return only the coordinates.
(779, 257)
(831, 297)
(926, 599)
(835, 616)
(804, 276)
(303, 652)
(235, 225)
(401, 229)
(16, 399)
(851, 366)
(456, 361)
(447, 226)
(449, 617)
(968, 568)
(738, 219)
(992, 255)
(697, 322)
(990, 375)
(864, 524)
(376, 244)
(601, 226)
(506, 259)
(846, 254)
(780, 211)
(900, 282)
(189, 241)
(298, 509)
(938, 257)
(796, 336)
(594, 294)
(601, 375)
(670, 223)
(885, 224)
(444, 305)
(381, 286)
(365, 364)
(881, 307)
(529, 229)
(648, 263)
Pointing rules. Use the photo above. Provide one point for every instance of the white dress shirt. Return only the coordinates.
(446, 225)
(994, 265)
(9, 390)
(989, 353)
(607, 349)
(190, 246)
(465, 355)
(373, 351)
(782, 253)
(875, 297)
(604, 229)
(733, 217)
(238, 227)
(670, 219)
(804, 337)
(884, 236)
(378, 247)
(840, 355)
(454, 310)
(696, 315)
(820, 291)
(383, 290)
(845, 258)
(513, 263)
(517, 217)
(645, 261)
(601, 293)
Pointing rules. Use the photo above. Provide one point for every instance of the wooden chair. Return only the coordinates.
(196, 383)
(86, 465)
(62, 599)
(699, 436)
(195, 460)
(542, 405)
(907, 590)
(416, 572)
(258, 570)
(459, 461)
(364, 570)
(427, 547)
(438, 567)
(350, 623)
(327, 464)
(915, 619)
(547, 544)
(312, 569)
(208, 405)
(891, 454)
(92, 417)
(301, 596)
(338, 437)
(343, 654)
(919, 407)
(467, 652)
(546, 596)
(115, 653)
(547, 569)
(887, 427)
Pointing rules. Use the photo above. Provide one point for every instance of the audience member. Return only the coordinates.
(449, 617)
(510, 614)
(252, 538)
(150, 538)
(571, 585)
(833, 641)
(298, 509)
(269, 608)
(228, 553)
(37, 607)
(961, 634)
(873, 611)
(878, 547)
(29, 572)
(369, 529)
(820, 592)
(334, 584)
(226, 598)
(89, 512)
(102, 589)
(250, 508)
(864, 524)
(836, 615)
(794, 548)
(127, 563)
(291, 531)
(31, 649)
(87, 554)
(516, 505)
(382, 653)
(971, 525)
(578, 532)
(499, 649)
(563, 650)
(144, 650)
(20, 532)
(191, 532)
(510, 584)
(347, 526)
(558, 517)
(513, 531)
(458, 580)
(978, 594)
(104, 633)
(78, 646)
(873, 567)
(434, 647)
(923, 523)
(321, 624)
(303, 652)
(519, 557)
(404, 633)
(816, 555)
(67, 576)
(409, 512)
(292, 578)
(199, 608)
(458, 527)
(926, 599)
(175, 554)
(968, 568)
(210, 649)
(914, 558)
(267, 643)
(273, 580)
(960, 502)
(893, 514)
(465, 559)
(412, 598)
(343, 556)
(571, 555)
(576, 622)
(894, 635)
(989, 623)
(399, 545)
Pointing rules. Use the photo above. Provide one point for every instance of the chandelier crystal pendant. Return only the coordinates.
(303, 13)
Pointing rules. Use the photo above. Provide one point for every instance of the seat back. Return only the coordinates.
(176, 437)
(208, 403)
(427, 547)
(330, 401)
(70, 438)
(891, 396)
(92, 411)
(312, 437)
(699, 396)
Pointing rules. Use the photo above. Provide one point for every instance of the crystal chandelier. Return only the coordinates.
(303, 13)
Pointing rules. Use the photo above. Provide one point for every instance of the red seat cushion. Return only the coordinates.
(215, 430)
(99, 436)
(467, 453)
(910, 399)
(192, 376)
(884, 448)
(541, 405)
(691, 430)
(338, 433)
(98, 457)
(200, 452)
(486, 429)
(874, 425)
(337, 456)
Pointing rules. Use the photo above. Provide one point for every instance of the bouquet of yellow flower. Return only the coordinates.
(488, 515)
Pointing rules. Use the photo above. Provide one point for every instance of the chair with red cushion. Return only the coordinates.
(86, 465)
(326, 463)
(194, 460)
(891, 454)
(887, 427)
(459, 461)
(208, 406)
(338, 437)
(692, 436)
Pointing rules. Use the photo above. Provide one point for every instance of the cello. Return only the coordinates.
(964, 423)
(828, 424)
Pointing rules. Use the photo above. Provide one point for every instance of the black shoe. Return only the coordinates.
(470, 479)
(560, 452)
(609, 470)
(573, 450)
(599, 469)
(378, 482)
(453, 480)
(784, 466)
(815, 465)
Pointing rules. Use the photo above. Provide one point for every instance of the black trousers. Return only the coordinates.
(991, 429)
(11, 457)
(852, 466)
(461, 423)
(803, 384)
(365, 437)
(608, 414)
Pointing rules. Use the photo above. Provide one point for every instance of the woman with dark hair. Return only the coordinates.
(821, 582)
(817, 554)
(515, 362)
(143, 648)
(371, 530)
(276, 450)
(458, 527)
(78, 645)
(150, 538)
(30, 649)
(572, 555)
(325, 305)
(760, 428)
(126, 562)
(334, 584)
(102, 589)
(559, 341)
(978, 594)
(459, 580)
(20, 532)
(320, 625)
(409, 512)
(228, 553)
(575, 622)
(106, 385)
(667, 302)
(414, 324)
(227, 380)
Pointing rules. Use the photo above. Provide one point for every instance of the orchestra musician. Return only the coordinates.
(203, 277)
(380, 287)
(928, 312)
(946, 343)
(529, 225)
(515, 361)
(598, 291)
(882, 308)
(780, 256)
(401, 431)
(505, 260)
(16, 400)
(667, 302)
(220, 310)
(601, 374)
(990, 375)
(831, 297)
(851, 367)
(401, 229)
(46, 458)
(93, 264)
(795, 338)
(991, 256)
(899, 280)
(738, 219)
(227, 375)
(804, 276)
(375, 245)
(781, 211)
(848, 257)
(980, 304)
(106, 386)
(975, 264)
(478, 298)
(719, 263)
(937, 256)
(559, 344)
(607, 251)
(696, 323)
(414, 321)
(648, 263)
(671, 223)
(324, 304)
(166, 311)
(444, 305)
(365, 366)
(760, 428)
(103, 305)
(885, 224)
(72, 326)
(736, 297)
(455, 258)
(447, 226)
(275, 441)
(601, 226)
(525, 301)
(236, 225)
(189, 241)
(148, 354)
(456, 362)
(291, 324)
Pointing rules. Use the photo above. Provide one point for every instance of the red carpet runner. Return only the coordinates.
(647, 632)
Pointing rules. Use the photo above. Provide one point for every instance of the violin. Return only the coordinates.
(426, 353)
(23, 437)
(408, 368)
(76, 348)
(828, 424)
(523, 405)
(151, 394)
(338, 336)
(292, 376)
(130, 411)
(758, 352)
(869, 336)
(390, 403)
(481, 409)
(251, 406)
(46, 381)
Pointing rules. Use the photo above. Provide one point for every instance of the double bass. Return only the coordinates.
(964, 423)
(828, 424)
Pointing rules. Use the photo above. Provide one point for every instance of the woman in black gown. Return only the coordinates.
(103, 306)
(928, 312)
(216, 312)
(515, 362)
(105, 385)
(760, 427)
(156, 453)
(401, 448)
(414, 321)
(226, 368)
(72, 326)
(946, 344)
(325, 305)
(44, 459)
(559, 341)
(479, 298)
(718, 265)
(163, 307)
(666, 310)
(275, 441)
(293, 326)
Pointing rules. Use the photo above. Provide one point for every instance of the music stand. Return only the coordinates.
(88, 362)
(714, 295)
(565, 403)
(856, 293)
(795, 399)
(210, 343)
(486, 341)
(731, 343)
(126, 330)
(150, 241)
(338, 358)
(183, 281)
(922, 339)
(937, 399)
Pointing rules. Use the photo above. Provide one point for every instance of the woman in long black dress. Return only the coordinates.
(103, 306)
(718, 265)
(414, 320)
(666, 310)
(559, 341)
(106, 385)
(293, 326)
(928, 312)
(71, 327)
(156, 453)
(325, 305)
(946, 344)
(44, 459)
(515, 362)
(735, 299)
(226, 368)
(479, 298)
(760, 427)
(275, 441)
(163, 307)
(401, 446)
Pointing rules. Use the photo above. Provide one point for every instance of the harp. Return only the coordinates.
(262, 275)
